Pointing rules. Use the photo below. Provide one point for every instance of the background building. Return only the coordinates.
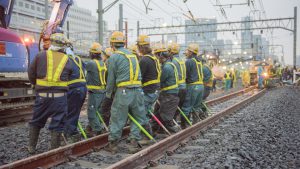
(29, 15)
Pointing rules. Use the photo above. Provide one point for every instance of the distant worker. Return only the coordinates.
(151, 72)
(124, 79)
(194, 80)
(134, 50)
(168, 98)
(50, 73)
(260, 71)
(207, 79)
(96, 83)
(233, 78)
(173, 50)
(246, 78)
(228, 79)
(76, 97)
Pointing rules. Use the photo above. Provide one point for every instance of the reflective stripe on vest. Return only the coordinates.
(199, 72)
(133, 77)
(228, 76)
(101, 69)
(174, 86)
(158, 70)
(182, 70)
(54, 70)
(81, 76)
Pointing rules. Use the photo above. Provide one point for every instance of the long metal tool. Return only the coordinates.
(186, 118)
(159, 123)
(81, 130)
(102, 121)
(141, 127)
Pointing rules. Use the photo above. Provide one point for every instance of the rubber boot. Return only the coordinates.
(172, 127)
(55, 140)
(183, 123)
(112, 147)
(34, 133)
(195, 117)
(145, 140)
(133, 147)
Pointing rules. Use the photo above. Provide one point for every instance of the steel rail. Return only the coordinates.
(156, 151)
(64, 154)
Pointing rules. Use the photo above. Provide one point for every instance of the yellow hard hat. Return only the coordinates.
(173, 47)
(143, 40)
(159, 47)
(193, 47)
(108, 51)
(96, 48)
(117, 37)
(133, 49)
(59, 39)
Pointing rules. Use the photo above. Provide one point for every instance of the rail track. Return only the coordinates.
(220, 107)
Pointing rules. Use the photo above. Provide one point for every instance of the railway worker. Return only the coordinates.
(208, 84)
(233, 78)
(173, 50)
(168, 98)
(134, 50)
(246, 78)
(151, 72)
(106, 54)
(124, 79)
(50, 73)
(96, 83)
(260, 71)
(228, 79)
(194, 80)
(76, 97)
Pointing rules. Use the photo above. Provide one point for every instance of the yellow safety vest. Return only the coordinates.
(182, 70)
(199, 72)
(133, 77)
(176, 79)
(55, 67)
(210, 81)
(102, 72)
(81, 77)
(158, 70)
(228, 76)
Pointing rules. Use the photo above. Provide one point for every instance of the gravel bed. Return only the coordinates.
(14, 141)
(265, 134)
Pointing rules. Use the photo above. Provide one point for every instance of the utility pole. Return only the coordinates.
(68, 29)
(126, 33)
(100, 21)
(121, 17)
(137, 28)
(295, 36)
(46, 10)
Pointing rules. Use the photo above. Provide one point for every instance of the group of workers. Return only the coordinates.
(124, 87)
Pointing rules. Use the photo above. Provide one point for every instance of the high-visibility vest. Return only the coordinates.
(182, 71)
(133, 77)
(102, 72)
(227, 76)
(210, 81)
(79, 65)
(199, 72)
(173, 86)
(55, 66)
(158, 70)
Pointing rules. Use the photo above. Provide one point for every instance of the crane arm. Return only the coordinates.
(6, 7)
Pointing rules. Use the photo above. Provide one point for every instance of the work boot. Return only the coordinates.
(112, 147)
(73, 138)
(133, 146)
(195, 117)
(172, 127)
(202, 114)
(34, 133)
(145, 140)
(55, 140)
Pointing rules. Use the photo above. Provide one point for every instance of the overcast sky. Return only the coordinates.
(135, 10)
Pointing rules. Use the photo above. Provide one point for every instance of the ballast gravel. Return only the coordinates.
(263, 135)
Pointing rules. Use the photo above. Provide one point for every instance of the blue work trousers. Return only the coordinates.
(260, 81)
(193, 99)
(94, 104)
(45, 107)
(76, 98)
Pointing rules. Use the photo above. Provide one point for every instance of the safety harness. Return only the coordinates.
(182, 71)
(176, 79)
(101, 71)
(199, 72)
(158, 70)
(133, 77)
(54, 70)
(81, 76)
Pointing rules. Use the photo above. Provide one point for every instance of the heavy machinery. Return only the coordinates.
(17, 53)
